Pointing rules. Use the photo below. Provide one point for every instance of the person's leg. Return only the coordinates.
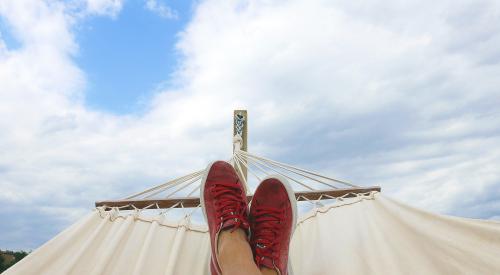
(268, 271)
(235, 255)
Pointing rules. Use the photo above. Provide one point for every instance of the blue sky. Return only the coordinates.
(129, 57)
(126, 57)
(103, 98)
(8, 38)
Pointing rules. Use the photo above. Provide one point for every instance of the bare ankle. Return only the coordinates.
(268, 271)
(234, 253)
(229, 236)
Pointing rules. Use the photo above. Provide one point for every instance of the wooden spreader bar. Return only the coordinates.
(194, 202)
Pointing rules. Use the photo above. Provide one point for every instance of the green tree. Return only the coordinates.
(2, 268)
(18, 255)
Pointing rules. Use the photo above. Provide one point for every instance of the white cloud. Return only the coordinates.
(104, 7)
(161, 9)
(404, 96)
(375, 80)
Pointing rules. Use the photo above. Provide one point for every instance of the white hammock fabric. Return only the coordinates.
(368, 234)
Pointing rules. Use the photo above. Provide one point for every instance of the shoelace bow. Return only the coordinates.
(230, 204)
(267, 227)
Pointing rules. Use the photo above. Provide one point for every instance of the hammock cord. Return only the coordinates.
(256, 166)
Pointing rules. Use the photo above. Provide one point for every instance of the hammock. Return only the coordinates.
(343, 228)
(362, 233)
(367, 234)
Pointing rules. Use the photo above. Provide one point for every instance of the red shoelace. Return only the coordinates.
(230, 204)
(266, 231)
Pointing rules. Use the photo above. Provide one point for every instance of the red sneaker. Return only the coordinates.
(224, 203)
(273, 215)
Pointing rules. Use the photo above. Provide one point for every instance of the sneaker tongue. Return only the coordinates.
(234, 224)
(267, 262)
(231, 223)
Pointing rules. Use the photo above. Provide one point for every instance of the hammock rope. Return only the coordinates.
(300, 173)
(294, 168)
(257, 167)
(185, 189)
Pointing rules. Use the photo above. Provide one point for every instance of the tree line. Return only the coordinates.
(9, 258)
